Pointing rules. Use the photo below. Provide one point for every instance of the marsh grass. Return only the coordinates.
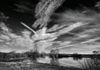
(90, 64)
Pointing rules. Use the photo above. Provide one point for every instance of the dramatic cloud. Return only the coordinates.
(12, 42)
(76, 29)
(76, 32)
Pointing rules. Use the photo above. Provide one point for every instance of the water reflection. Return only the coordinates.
(72, 60)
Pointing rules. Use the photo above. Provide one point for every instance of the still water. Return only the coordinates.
(69, 62)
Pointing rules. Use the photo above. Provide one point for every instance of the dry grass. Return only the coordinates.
(90, 64)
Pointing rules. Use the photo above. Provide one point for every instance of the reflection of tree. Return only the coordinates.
(54, 57)
(76, 56)
(32, 55)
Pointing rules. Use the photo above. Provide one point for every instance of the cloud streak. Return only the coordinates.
(71, 30)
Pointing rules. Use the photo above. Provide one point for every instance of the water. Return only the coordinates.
(70, 62)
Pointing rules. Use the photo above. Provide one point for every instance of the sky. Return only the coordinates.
(69, 28)
(9, 8)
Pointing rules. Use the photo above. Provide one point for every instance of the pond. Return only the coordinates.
(70, 62)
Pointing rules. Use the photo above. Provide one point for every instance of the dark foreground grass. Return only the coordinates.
(34, 66)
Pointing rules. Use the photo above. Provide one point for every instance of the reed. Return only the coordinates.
(90, 64)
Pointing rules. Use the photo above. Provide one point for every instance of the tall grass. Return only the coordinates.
(90, 64)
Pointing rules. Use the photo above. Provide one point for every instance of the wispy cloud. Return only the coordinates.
(13, 42)
(63, 35)
(70, 22)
